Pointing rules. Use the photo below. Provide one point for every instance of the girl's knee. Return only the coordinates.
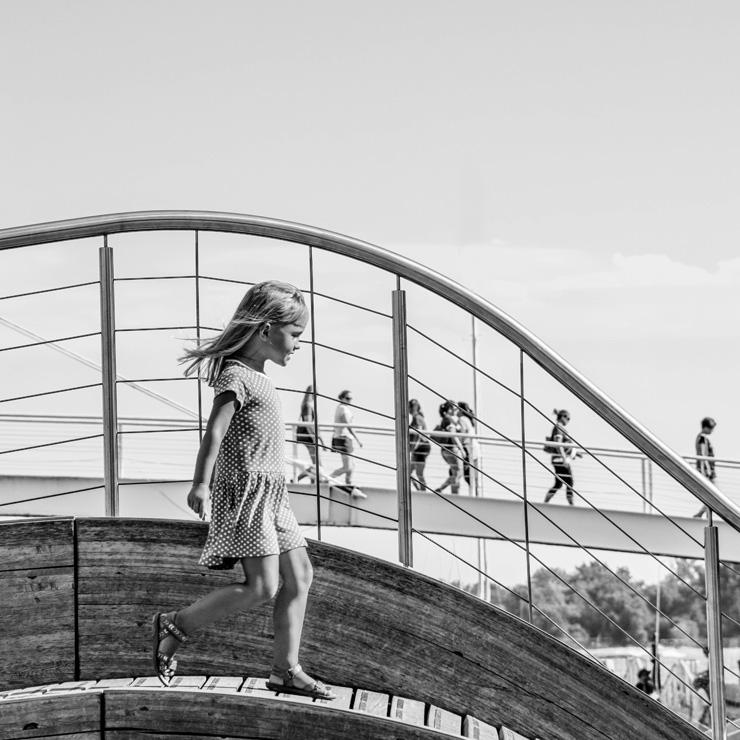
(260, 589)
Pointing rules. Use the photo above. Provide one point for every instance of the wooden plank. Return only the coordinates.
(51, 715)
(47, 543)
(507, 734)
(228, 684)
(372, 702)
(255, 686)
(344, 696)
(187, 682)
(114, 683)
(407, 710)
(474, 728)
(239, 716)
(25, 691)
(69, 686)
(443, 720)
(37, 622)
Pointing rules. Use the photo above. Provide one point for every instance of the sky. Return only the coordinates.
(575, 163)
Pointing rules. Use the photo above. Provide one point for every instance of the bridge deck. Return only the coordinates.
(550, 524)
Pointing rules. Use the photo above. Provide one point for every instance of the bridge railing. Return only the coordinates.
(391, 330)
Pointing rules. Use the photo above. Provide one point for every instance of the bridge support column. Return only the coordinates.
(403, 453)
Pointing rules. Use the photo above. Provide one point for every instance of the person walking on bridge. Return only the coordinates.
(705, 454)
(562, 454)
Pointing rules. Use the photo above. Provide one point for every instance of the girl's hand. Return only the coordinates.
(197, 499)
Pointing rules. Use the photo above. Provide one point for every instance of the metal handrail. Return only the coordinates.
(414, 272)
(403, 269)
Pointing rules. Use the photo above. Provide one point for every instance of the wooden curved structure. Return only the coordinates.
(80, 593)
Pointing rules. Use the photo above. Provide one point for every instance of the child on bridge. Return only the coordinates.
(242, 457)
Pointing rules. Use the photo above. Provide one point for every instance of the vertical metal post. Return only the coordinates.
(197, 333)
(644, 491)
(315, 393)
(484, 586)
(108, 349)
(714, 633)
(524, 483)
(401, 400)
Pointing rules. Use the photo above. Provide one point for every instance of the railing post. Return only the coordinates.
(403, 453)
(714, 633)
(108, 349)
(524, 485)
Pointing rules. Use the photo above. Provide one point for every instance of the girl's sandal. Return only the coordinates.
(164, 665)
(316, 689)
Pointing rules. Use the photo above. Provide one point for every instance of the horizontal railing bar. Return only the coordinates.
(50, 393)
(153, 277)
(157, 431)
(468, 563)
(50, 495)
(124, 381)
(48, 290)
(347, 505)
(353, 305)
(327, 448)
(463, 360)
(380, 431)
(157, 328)
(349, 354)
(51, 444)
(51, 341)
(234, 281)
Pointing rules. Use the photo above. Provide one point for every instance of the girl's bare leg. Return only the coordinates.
(290, 608)
(260, 586)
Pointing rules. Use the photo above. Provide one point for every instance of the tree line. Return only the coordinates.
(597, 607)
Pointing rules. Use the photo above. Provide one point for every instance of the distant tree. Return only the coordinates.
(618, 611)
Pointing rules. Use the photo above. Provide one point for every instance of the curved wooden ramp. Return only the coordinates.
(82, 592)
(223, 706)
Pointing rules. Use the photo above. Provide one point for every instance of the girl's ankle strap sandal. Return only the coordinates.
(287, 685)
(165, 665)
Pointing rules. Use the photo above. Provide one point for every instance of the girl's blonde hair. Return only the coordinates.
(271, 301)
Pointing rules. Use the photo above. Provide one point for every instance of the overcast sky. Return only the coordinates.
(582, 158)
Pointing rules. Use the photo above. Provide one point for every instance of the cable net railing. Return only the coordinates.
(549, 563)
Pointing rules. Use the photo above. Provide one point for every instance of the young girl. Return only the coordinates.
(562, 455)
(242, 456)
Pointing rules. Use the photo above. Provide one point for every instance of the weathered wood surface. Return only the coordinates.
(50, 715)
(238, 716)
(368, 623)
(37, 613)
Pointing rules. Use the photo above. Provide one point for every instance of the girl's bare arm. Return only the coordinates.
(224, 407)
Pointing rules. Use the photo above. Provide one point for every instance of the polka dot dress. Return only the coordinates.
(250, 509)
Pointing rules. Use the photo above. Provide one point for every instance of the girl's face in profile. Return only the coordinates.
(283, 340)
